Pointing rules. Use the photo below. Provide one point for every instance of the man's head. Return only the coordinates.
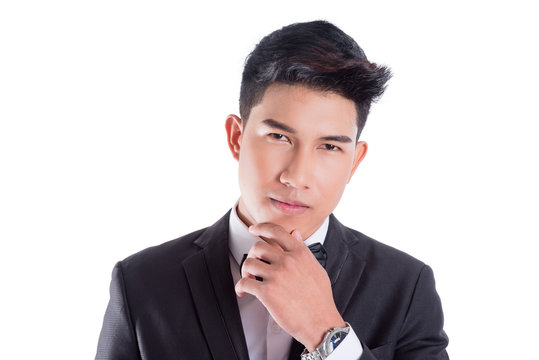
(317, 55)
(305, 95)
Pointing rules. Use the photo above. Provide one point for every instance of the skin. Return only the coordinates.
(294, 148)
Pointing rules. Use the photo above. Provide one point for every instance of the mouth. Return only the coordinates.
(289, 207)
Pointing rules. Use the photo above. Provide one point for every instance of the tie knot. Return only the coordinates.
(319, 253)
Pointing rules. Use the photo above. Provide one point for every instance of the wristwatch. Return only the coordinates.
(332, 339)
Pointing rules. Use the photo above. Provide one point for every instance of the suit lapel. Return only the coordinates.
(344, 269)
(212, 287)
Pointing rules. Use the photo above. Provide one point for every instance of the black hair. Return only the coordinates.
(317, 55)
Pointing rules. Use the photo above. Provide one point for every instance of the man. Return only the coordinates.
(278, 277)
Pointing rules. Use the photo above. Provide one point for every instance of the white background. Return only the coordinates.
(112, 140)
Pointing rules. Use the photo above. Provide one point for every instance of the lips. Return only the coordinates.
(289, 207)
(290, 202)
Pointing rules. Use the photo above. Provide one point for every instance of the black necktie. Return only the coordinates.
(317, 249)
(319, 253)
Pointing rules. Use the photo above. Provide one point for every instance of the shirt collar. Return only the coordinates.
(241, 240)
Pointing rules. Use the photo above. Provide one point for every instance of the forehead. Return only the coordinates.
(306, 110)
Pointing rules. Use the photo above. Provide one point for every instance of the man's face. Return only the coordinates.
(296, 154)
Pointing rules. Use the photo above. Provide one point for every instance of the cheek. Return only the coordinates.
(258, 164)
(332, 175)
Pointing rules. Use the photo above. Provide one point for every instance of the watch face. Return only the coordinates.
(336, 340)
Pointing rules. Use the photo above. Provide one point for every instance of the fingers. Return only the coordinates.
(255, 267)
(263, 250)
(275, 234)
(258, 259)
(248, 286)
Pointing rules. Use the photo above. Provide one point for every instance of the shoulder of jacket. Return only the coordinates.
(172, 251)
(374, 251)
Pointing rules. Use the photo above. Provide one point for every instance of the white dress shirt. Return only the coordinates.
(265, 338)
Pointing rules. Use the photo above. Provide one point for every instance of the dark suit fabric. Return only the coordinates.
(177, 300)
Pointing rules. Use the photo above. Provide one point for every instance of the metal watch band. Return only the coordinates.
(315, 355)
(323, 350)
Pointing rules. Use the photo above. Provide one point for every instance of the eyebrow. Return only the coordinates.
(279, 125)
(337, 138)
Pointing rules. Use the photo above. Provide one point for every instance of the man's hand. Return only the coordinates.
(296, 290)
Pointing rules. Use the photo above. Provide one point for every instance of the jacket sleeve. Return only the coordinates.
(117, 340)
(421, 335)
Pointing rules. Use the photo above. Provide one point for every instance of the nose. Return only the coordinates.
(298, 171)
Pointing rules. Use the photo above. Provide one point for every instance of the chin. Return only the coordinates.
(288, 222)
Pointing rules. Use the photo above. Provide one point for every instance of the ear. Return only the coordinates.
(361, 151)
(234, 131)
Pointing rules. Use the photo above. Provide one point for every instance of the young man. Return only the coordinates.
(278, 277)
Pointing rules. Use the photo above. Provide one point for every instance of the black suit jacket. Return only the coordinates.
(177, 300)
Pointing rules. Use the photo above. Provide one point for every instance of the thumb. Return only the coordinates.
(297, 235)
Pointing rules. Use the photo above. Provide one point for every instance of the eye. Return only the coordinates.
(278, 136)
(331, 147)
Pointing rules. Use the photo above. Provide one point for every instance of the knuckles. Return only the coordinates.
(247, 265)
(258, 247)
(248, 262)
(289, 263)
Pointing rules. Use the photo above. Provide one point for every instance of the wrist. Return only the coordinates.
(331, 341)
(319, 332)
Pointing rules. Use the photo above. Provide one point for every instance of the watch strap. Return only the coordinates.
(327, 346)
